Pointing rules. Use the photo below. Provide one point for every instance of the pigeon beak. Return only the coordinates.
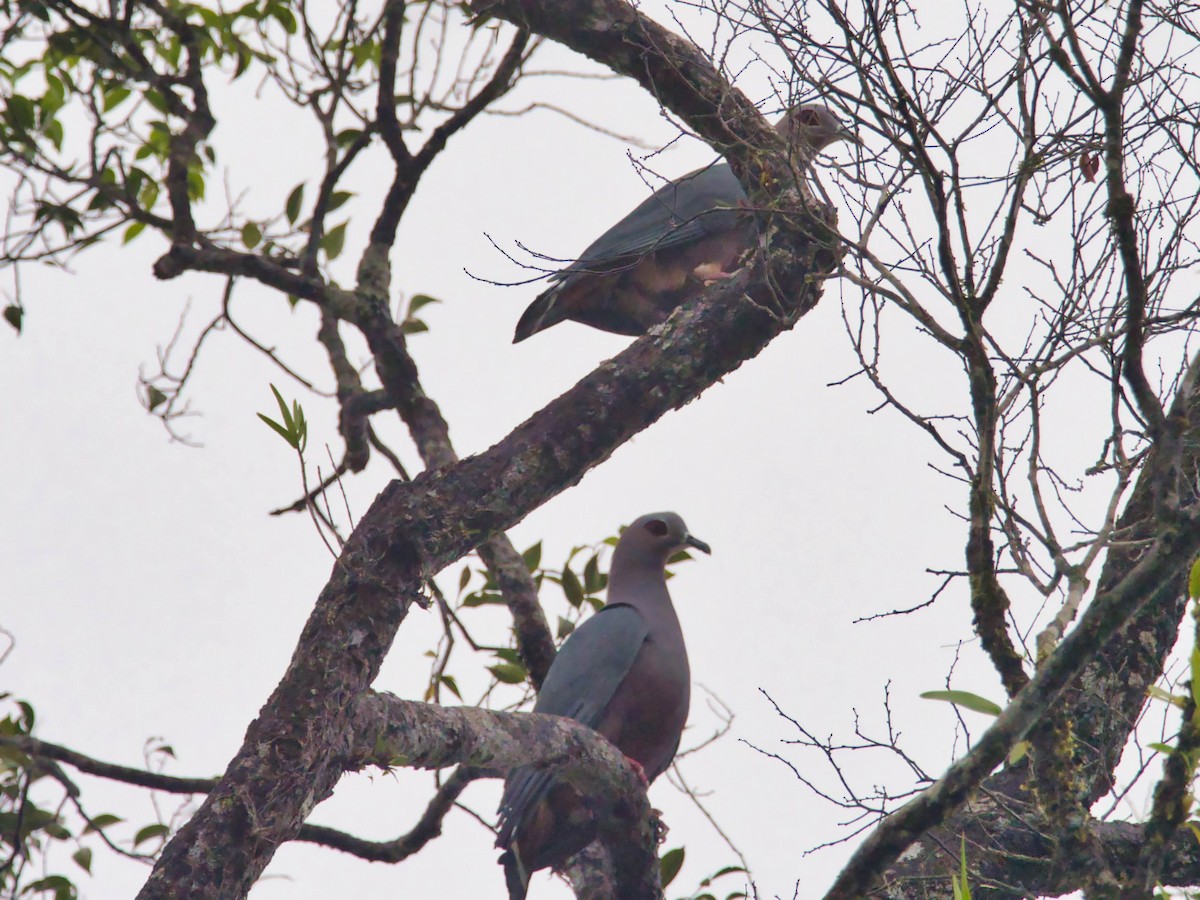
(849, 136)
(698, 544)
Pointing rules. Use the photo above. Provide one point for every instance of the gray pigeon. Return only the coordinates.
(623, 672)
(688, 233)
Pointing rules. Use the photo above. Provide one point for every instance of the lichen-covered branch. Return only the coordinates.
(1109, 611)
(426, 736)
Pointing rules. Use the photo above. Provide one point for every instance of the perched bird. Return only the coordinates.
(623, 672)
(686, 234)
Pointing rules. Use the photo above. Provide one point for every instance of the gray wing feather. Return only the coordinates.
(701, 203)
(586, 673)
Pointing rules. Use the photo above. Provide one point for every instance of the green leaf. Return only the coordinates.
(102, 821)
(251, 235)
(284, 16)
(195, 183)
(1195, 680)
(961, 882)
(114, 97)
(279, 429)
(57, 831)
(1165, 749)
(336, 199)
(147, 194)
(150, 832)
(482, 598)
(1018, 752)
(451, 685)
(669, 865)
(966, 700)
(133, 231)
(346, 138)
(508, 673)
(728, 870)
(334, 241)
(294, 199)
(1157, 693)
(565, 627)
(593, 581)
(533, 556)
(464, 579)
(83, 858)
(420, 300)
(63, 887)
(13, 315)
(571, 587)
(54, 98)
(154, 397)
(21, 112)
(172, 49)
(54, 131)
(1194, 581)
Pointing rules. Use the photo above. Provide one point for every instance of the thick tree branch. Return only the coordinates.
(428, 736)
(155, 781)
(1109, 611)
(1010, 853)
(673, 70)
(428, 827)
(415, 529)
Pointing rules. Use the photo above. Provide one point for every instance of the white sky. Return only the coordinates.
(150, 594)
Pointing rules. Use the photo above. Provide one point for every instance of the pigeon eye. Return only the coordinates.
(656, 527)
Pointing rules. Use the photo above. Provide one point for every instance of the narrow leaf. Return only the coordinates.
(102, 821)
(451, 685)
(966, 700)
(1018, 752)
(279, 429)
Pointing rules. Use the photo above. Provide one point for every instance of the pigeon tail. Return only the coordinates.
(541, 314)
(515, 875)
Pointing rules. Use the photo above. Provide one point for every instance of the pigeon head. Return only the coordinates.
(814, 127)
(657, 536)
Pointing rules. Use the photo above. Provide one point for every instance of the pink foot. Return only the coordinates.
(637, 768)
(711, 273)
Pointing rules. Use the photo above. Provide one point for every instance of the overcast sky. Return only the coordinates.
(151, 595)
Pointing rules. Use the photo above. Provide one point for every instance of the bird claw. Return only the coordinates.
(639, 771)
(660, 827)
